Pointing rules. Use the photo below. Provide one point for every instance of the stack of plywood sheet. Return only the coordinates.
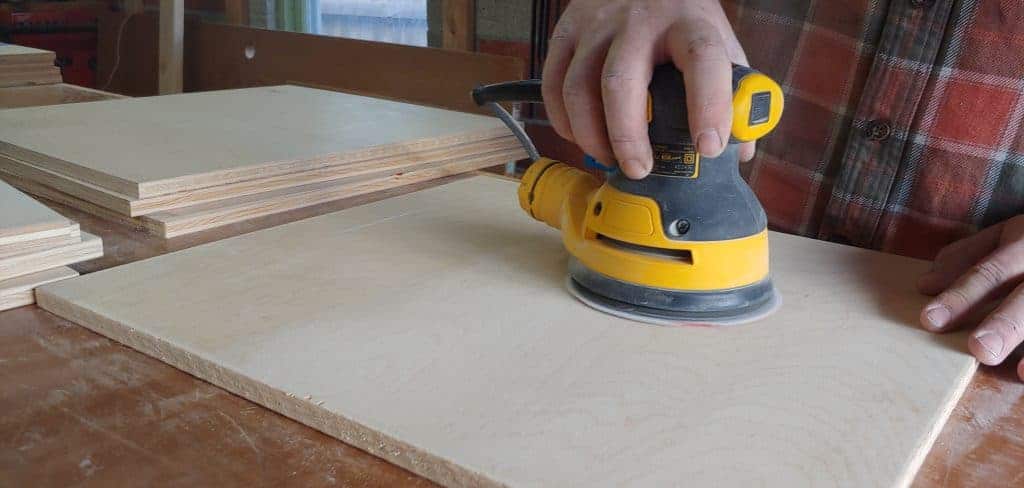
(180, 164)
(36, 245)
(21, 66)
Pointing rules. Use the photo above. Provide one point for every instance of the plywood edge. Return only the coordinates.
(90, 247)
(307, 412)
(210, 216)
(43, 234)
(66, 184)
(128, 207)
(9, 250)
(59, 166)
(49, 194)
(36, 231)
(34, 280)
(269, 169)
(939, 421)
(335, 173)
(16, 60)
(52, 94)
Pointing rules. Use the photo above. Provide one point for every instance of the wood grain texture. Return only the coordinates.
(375, 167)
(393, 331)
(22, 218)
(225, 137)
(88, 247)
(54, 94)
(82, 410)
(189, 220)
(458, 24)
(18, 292)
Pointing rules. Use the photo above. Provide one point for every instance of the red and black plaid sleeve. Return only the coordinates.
(902, 129)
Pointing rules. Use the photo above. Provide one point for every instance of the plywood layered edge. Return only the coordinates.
(139, 190)
(18, 292)
(131, 207)
(51, 94)
(69, 235)
(198, 218)
(89, 247)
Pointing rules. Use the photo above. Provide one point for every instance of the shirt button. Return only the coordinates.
(922, 3)
(879, 130)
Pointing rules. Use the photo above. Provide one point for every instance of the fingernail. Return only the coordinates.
(709, 144)
(991, 342)
(938, 316)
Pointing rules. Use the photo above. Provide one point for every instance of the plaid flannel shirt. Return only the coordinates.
(903, 119)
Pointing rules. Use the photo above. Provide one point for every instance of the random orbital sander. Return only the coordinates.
(686, 244)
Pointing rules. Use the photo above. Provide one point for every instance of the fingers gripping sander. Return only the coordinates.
(689, 242)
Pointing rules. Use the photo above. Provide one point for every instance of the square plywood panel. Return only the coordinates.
(145, 147)
(433, 330)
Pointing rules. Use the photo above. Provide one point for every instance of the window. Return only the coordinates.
(394, 21)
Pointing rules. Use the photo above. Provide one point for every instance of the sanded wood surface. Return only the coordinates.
(84, 249)
(22, 218)
(20, 291)
(55, 94)
(83, 434)
(399, 329)
(225, 137)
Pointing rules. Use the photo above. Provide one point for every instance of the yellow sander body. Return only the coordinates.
(686, 244)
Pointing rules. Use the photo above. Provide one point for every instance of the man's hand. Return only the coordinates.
(599, 65)
(972, 275)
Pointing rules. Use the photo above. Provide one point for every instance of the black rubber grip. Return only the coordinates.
(527, 91)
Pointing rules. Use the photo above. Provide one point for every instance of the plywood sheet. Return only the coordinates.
(433, 330)
(55, 94)
(18, 292)
(70, 235)
(22, 218)
(145, 147)
(189, 220)
(133, 207)
(14, 54)
(86, 248)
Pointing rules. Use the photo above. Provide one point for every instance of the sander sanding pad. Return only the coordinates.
(667, 318)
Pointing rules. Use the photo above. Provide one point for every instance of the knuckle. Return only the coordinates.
(955, 299)
(623, 142)
(565, 30)
(616, 82)
(572, 94)
(1010, 325)
(989, 273)
(703, 49)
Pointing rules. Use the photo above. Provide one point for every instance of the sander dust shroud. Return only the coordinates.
(688, 244)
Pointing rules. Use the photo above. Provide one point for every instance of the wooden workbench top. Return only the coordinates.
(78, 408)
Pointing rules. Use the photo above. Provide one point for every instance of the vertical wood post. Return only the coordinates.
(171, 55)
